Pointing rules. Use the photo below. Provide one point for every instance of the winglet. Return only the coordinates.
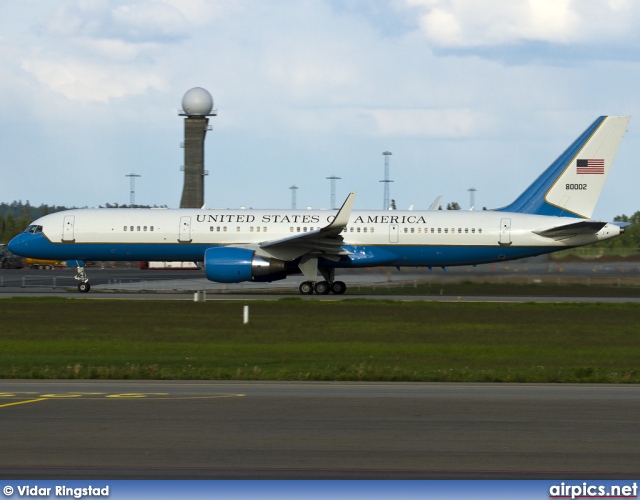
(436, 203)
(342, 217)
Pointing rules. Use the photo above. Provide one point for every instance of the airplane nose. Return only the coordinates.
(15, 244)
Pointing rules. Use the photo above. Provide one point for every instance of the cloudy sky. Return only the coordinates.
(464, 93)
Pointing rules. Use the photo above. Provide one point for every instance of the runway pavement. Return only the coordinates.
(239, 430)
(181, 284)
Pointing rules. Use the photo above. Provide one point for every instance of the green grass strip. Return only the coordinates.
(293, 339)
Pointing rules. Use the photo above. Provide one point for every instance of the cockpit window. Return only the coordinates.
(33, 229)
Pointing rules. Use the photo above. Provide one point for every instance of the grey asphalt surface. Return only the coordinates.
(278, 430)
(181, 284)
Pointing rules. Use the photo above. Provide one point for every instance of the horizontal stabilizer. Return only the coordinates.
(569, 230)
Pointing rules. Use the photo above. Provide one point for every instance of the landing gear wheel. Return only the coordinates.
(322, 287)
(338, 287)
(84, 287)
(306, 288)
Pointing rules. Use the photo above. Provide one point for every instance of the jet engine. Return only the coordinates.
(233, 265)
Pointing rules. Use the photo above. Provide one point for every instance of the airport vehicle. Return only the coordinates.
(9, 260)
(552, 214)
(43, 264)
(169, 264)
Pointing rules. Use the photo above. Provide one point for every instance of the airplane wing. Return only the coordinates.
(325, 242)
(570, 230)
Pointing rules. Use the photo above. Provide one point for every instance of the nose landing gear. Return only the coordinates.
(81, 276)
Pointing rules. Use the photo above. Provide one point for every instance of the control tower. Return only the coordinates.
(197, 105)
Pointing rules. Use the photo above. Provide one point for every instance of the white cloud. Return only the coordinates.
(150, 21)
(491, 23)
(142, 21)
(203, 12)
(79, 81)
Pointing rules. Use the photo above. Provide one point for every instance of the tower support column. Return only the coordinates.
(195, 131)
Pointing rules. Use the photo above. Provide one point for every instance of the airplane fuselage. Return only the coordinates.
(395, 238)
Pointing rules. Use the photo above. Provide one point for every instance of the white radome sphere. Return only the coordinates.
(197, 102)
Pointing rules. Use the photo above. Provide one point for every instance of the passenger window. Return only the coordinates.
(371, 229)
(446, 229)
(251, 229)
(439, 230)
(480, 230)
(145, 228)
(151, 228)
(238, 229)
(125, 228)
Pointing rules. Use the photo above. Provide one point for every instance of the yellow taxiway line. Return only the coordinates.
(23, 402)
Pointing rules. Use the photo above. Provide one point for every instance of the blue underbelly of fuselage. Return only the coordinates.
(38, 246)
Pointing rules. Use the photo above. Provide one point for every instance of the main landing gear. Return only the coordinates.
(81, 276)
(322, 287)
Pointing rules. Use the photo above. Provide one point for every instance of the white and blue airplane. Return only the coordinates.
(552, 214)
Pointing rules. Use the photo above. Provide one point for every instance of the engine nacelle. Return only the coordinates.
(233, 265)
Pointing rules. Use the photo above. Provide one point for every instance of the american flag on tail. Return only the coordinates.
(594, 166)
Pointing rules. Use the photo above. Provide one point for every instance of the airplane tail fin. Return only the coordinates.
(571, 186)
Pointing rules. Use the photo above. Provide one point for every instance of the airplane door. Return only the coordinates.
(393, 233)
(67, 228)
(185, 230)
(505, 232)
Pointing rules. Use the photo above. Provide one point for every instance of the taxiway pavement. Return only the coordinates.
(242, 430)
